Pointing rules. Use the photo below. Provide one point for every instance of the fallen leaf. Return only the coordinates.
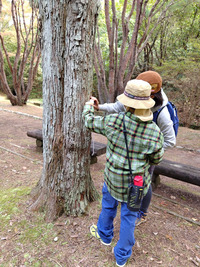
(74, 236)
(59, 224)
(137, 244)
(163, 203)
(187, 247)
(169, 237)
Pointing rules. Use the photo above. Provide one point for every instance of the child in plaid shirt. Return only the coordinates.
(145, 143)
(163, 121)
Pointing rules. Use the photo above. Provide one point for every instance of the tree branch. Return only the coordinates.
(99, 67)
(155, 25)
(0, 6)
(6, 53)
(17, 56)
(131, 52)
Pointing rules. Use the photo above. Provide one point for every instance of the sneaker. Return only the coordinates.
(94, 233)
(141, 218)
(121, 264)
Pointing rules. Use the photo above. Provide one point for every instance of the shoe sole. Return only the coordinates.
(106, 244)
(120, 265)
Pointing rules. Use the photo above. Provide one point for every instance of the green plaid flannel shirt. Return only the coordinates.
(145, 143)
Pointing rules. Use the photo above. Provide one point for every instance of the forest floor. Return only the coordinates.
(27, 240)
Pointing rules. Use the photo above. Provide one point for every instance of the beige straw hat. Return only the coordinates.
(137, 95)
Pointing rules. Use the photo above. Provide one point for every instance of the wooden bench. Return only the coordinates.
(182, 172)
(179, 171)
(96, 148)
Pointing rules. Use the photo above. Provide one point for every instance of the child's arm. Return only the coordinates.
(156, 157)
(110, 108)
(94, 123)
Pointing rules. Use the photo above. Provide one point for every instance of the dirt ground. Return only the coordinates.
(170, 237)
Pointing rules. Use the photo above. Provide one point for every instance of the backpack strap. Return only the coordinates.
(156, 114)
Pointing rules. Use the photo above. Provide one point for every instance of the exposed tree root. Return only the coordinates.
(176, 214)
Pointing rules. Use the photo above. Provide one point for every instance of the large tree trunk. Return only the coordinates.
(67, 54)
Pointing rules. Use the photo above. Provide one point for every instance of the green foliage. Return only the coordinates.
(181, 83)
(9, 204)
(20, 37)
(36, 91)
(33, 234)
(181, 30)
(11, 46)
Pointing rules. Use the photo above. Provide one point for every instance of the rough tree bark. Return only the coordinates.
(134, 39)
(67, 56)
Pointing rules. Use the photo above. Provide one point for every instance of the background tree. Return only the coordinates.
(176, 53)
(128, 32)
(68, 32)
(182, 85)
(177, 34)
(27, 53)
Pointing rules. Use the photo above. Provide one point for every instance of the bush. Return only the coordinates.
(181, 83)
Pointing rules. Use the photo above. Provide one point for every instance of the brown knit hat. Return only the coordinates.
(151, 77)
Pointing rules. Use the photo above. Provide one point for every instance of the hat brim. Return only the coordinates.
(137, 104)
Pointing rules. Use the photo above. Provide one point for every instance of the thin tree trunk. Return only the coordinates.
(0, 6)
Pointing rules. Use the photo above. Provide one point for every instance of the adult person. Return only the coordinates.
(145, 144)
(164, 122)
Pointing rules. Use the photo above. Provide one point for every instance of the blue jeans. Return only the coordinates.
(147, 199)
(123, 249)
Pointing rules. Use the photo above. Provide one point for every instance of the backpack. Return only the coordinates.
(173, 114)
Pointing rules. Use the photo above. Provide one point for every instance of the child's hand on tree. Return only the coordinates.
(90, 102)
(96, 102)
